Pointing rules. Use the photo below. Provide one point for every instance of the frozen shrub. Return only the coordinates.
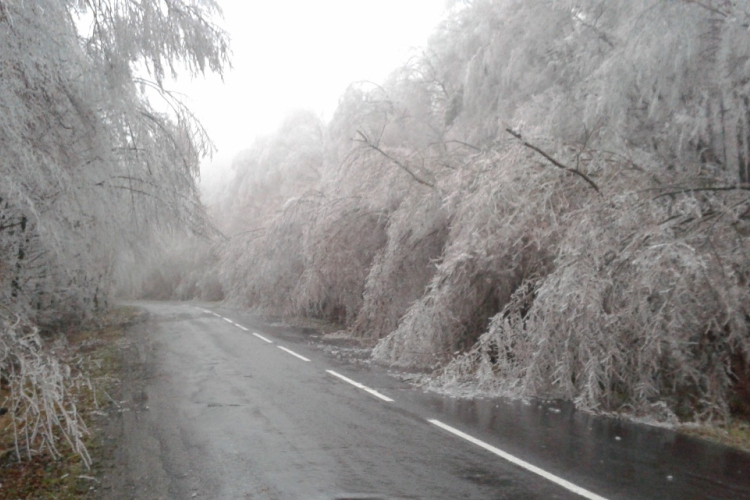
(348, 231)
(260, 268)
(38, 400)
(339, 251)
(401, 271)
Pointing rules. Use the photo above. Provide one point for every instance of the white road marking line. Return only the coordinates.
(261, 337)
(292, 353)
(360, 386)
(517, 461)
(227, 320)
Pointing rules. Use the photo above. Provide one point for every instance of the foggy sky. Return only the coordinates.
(300, 54)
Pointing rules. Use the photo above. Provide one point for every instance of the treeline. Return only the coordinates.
(551, 199)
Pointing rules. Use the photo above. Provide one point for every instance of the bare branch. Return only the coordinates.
(552, 160)
(401, 165)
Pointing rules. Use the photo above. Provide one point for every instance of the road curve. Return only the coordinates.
(228, 408)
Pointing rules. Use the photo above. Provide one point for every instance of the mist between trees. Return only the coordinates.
(551, 200)
(89, 168)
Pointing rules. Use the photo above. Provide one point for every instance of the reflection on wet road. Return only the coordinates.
(244, 410)
(627, 460)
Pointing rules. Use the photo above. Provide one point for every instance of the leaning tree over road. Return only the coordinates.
(88, 160)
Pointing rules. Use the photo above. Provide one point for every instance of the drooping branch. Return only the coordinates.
(364, 140)
(552, 160)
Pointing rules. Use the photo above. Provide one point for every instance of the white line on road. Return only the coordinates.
(360, 386)
(292, 353)
(517, 461)
(227, 320)
(261, 337)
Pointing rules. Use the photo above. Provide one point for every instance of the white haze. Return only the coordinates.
(300, 54)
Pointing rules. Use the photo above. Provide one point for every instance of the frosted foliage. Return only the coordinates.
(268, 211)
(668, 78)
(349, 231)
(550, 199)
(260, 268)
(87, 163)
(646, 309)
(400, 272)
(164, 35)
(39, 399)
(308, 251)
(496, 241)
(88, 166)
(338, 253)
(275, 170)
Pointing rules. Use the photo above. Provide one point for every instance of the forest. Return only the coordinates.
(549, 199)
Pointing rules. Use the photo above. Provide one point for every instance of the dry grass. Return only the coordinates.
(94, 357)
(735, 433)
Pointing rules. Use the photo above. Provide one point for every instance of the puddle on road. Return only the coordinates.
(657, 462)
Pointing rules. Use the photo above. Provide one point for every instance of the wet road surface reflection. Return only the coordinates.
(614, 457)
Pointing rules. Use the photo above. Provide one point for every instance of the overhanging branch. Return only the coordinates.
(364, 140)
(552, 160)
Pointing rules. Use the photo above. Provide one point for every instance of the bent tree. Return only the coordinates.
(89, 161)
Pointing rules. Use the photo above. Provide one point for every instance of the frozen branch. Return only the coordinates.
(400, 164)
(552, 160)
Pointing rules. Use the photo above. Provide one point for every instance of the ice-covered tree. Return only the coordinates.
(89, 162)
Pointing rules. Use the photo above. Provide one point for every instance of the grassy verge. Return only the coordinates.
(94, 355)
(735, 434)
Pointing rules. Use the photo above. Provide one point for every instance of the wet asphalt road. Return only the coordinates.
(223, 412)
